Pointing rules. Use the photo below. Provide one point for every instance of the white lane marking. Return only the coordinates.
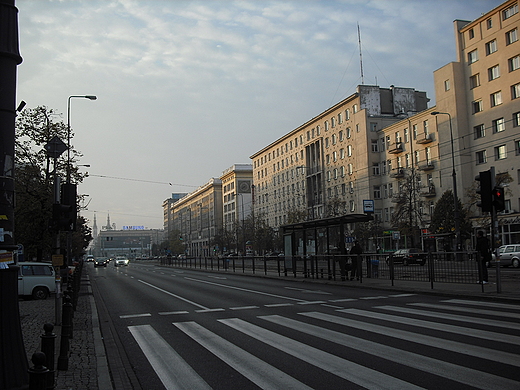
(136, 315)
(437, 326)
(262, 374)
(342, 300)
(174, 295)
(171, 368)
(310, 302)
(243, 307)
(468, 310)
(449, 345)
(308, 291)
(209, 310)
(167, 313)
(279, 304)
(332, 306)
(402, 295)
(245, 289)
(356, 373)
(377, 297)
(481, 303)
(454, 372)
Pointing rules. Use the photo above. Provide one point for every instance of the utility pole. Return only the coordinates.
(13, 370)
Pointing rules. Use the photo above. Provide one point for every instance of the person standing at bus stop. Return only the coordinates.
(356, 251)
(484, 257)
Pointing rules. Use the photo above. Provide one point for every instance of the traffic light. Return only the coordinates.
(61, 217)
(499, 199)
(485, 191)
(69, 206)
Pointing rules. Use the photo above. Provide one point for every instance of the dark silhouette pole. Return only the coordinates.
(13, 371)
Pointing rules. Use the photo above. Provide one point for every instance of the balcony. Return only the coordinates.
(398, 198)
(426, 166)
(424, 138)
(395, 148)
(397, 173)
(429, 192)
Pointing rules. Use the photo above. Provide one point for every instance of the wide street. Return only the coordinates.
(186, 329)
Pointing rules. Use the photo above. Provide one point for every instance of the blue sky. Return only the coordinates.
(186, 89)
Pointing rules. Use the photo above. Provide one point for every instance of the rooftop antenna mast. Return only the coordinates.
(360, 56)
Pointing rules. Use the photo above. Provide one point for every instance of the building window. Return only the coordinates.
(517, 147)
(373, 126)
(494, 73)
(446, 85)
(333, 122)
(481, 157)
(516, 119)
(375, 146)
(496, 98)
(507, 13)
(489, 23)
(474, 81)
(342, 168)
(498, 125)
(477, 106)
(342, 153)
(500, 152)
(318, 130)
(471, 33)
(512, 36)
(347, 114)
(479, 131)
(335, 156)
(350, 169)
(355, 108)
(375, 169)
(349, 150)
(351, 187)
(341, 136)
(514, 63)
(473, 56)
(377, 192)
(491, 47)
(515, 91)
(425, 127)
(340, 118)
(334, 139)
(406, 135)
(326, 125)
(327, 142)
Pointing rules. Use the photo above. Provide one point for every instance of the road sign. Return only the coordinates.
(55, 147)
(368, 206)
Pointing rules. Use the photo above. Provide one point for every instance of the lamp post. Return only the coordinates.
(71, 193)
(454, 176)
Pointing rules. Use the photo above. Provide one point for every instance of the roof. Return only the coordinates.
(325, 222)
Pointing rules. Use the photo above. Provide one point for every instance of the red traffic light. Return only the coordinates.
(499, 201)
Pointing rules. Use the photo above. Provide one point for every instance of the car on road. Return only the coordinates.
(121, 260)
(407, 256)
(36, 279)
(100, 262)
(509, 256)
(90, 258)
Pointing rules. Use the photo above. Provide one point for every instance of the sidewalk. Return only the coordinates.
(88, 366)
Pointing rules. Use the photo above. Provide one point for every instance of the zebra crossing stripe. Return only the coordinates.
(262, 374)
(505, 338)
(495, 305)
(449, 345)
(343, 368)
(171, 368)
(464, 375)
(469, 310)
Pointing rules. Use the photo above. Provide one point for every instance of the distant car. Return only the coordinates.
(121, 260)
(36, 279)
(407, 256)
(509, 256)
(90, 258)
(100, 262)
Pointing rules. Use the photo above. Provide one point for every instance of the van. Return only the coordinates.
(36, 279)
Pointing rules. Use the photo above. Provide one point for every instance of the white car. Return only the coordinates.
(121, 260)
(36, 279)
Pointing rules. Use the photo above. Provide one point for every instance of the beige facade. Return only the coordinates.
(237, 188)
(198, 216)
(325, 167)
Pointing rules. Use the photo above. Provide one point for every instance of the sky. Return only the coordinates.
(186, 89)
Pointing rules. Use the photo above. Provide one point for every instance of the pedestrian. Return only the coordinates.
(484, 257)
(356, 251)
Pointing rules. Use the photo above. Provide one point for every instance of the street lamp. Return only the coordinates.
(90, 97)
(454, 176)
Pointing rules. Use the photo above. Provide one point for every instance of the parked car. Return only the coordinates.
(407, 256)
(36, 279)
(100, 262)
(121, 260)
(509, 256)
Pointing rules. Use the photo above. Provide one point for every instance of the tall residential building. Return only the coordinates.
(198, 217)
(237, 190)
(325, 167)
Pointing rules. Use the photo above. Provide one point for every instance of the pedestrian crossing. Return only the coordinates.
(453, 344)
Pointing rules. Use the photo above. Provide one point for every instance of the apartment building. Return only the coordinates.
(481, 92)
(325, 167)
(237, 188)
(198, 216)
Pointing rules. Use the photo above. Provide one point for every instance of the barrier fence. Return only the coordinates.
(445, 267)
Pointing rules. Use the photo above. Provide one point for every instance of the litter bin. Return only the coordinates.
(374, 268)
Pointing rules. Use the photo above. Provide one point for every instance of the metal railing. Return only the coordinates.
(443, 267)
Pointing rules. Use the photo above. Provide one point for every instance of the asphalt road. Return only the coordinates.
(183, 329)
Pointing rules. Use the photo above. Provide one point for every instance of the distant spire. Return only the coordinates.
(94, 228)
(109, 226)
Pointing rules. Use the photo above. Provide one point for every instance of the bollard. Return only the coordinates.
(63, 359)
(38, 374)
(68, 293)
(48, 341)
